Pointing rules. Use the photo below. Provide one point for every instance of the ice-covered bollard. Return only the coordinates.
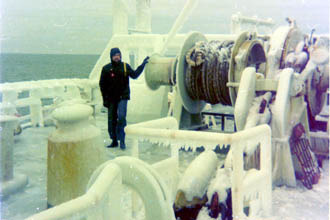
(8, 182)
(75, 150)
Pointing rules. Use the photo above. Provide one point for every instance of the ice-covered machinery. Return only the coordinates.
(292, 68)
(210, 72)
(308, 56)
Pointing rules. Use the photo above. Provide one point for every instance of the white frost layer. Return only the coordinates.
(146, 104)
(255, 118)
(204, 214)
(73, 124)
(220, 184)
(74, 112)
(81, 132)
(198, 174)
(6, 118)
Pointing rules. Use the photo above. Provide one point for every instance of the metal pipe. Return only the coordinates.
(252, 20)
(164, 123)
(196, 136)
(187, 9)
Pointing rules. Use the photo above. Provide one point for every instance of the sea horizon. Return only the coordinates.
(17, 67)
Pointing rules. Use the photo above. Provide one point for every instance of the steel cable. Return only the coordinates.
(207, 72)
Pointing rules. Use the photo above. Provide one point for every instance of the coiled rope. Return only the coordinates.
(207, 73)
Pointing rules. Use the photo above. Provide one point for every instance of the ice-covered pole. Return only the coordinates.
(120, 17)
(237, 20)
(8, 183)
(143, 16)
(8, 124)
(184, 14)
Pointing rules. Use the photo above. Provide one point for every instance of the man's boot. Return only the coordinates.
(122, 145)
(113, 144)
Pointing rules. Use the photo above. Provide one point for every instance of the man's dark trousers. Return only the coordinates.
(117, 120)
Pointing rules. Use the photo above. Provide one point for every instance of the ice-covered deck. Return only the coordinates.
(30, 158)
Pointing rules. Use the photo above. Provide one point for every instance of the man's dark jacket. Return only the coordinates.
(114, 82)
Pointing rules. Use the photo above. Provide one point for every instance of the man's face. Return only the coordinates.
(116, 57)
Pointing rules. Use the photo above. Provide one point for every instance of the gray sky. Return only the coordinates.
(84, 26)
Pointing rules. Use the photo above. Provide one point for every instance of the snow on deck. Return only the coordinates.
(30, 158)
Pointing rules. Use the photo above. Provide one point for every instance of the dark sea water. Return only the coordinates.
(26, 67)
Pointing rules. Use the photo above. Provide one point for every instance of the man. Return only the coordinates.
(114, 85)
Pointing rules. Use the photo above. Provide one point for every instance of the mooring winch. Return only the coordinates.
(202, 71)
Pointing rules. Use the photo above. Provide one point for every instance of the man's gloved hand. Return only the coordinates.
(145, 61)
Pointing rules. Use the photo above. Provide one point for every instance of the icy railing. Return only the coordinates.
(90, 203)
(31, 94)
(103, 200)
(238, 20)
(253, 187)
